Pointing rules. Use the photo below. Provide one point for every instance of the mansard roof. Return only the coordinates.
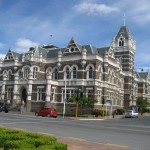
(17, 55)
(90, 49)
(54, 52)
(124, 32)
(103, 50)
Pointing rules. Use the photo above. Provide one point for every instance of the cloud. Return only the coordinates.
(1, 45)
(136, 11)
(24, 44)
(94, 8)
(2, 56)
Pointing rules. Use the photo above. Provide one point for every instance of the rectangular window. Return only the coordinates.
(9, 93)
(40, 94)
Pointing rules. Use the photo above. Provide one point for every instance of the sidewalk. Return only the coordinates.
(79, 144)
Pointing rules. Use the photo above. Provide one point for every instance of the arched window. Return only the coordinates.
(26, 73)
(74, 73)
(35, 72)
(121, 42)
(109, 76)
(55, 74)
(100, 74)
(49, 70)
(67, 73)
(20, 74)
(9, 75)
(90, 72)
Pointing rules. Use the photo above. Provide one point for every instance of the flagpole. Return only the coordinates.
(64, 101)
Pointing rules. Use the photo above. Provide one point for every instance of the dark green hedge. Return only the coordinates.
(19, 140)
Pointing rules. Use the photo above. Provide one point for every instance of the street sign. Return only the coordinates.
(109, 101)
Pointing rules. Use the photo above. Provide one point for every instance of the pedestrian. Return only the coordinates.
(114, 113)
(22, 107)
(96, 112)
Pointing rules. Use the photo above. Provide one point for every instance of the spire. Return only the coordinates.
(124, 19)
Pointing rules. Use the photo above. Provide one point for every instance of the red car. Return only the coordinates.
(49, 112)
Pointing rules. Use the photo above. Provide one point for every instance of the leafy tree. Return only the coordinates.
(142, 104)
(83, 101)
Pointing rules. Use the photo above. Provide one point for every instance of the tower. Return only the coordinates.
(124, 49)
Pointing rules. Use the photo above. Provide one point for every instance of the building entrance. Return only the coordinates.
(24, 96)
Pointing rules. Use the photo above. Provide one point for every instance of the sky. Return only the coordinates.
(27, 23)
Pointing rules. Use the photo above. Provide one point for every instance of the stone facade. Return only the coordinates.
(38, 77)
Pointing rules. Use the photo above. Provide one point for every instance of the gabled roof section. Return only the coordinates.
(124, 32)
(73, 47)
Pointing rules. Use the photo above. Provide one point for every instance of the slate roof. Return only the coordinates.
(124, 32)
(103, 50)
(17, 55)
(51, 51)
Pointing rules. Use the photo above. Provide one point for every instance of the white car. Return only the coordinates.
(131, 114)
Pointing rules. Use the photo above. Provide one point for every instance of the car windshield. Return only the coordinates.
(1, 104)
(129, 111)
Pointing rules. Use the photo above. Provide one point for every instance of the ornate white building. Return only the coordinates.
(38, 76)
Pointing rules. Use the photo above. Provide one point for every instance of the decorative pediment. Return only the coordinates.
(73, 47)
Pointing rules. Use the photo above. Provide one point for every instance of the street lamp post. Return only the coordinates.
(64, 107)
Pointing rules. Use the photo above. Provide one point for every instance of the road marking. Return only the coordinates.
(73, 138)
(89, 119)
(123, 146)
(20, 129)
(46, 133)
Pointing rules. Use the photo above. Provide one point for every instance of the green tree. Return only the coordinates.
(142, 104)
(83, 101)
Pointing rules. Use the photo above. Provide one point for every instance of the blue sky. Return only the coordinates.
(26, 23)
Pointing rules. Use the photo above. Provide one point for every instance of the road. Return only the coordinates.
(131, 132)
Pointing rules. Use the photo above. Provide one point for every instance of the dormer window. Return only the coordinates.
(121, 42)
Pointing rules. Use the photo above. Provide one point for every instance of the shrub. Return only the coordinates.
(18, 140)
(46, 147)
(120, 111)
(60, 146)
(18, 144)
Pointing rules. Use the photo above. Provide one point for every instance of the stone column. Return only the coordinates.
(48, 89)
(16, 78)
(29, 92)
(3, 86)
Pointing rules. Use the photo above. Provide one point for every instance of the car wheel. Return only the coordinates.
(49, 115)
(55, 116)
(36, 114)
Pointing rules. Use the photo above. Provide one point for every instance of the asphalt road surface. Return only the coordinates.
(131, 132)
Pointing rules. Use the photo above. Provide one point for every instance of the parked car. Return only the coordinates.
(131, 114)
(4, 107)
(49, 112)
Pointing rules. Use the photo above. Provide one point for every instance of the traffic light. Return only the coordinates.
(81, 94)
(103, 101)
(77, 98)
